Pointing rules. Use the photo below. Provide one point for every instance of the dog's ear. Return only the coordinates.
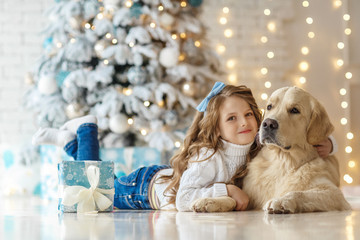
(320, 126)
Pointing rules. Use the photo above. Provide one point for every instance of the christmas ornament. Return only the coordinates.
(74, 110)
(195, 3)
(47, 85)
(60, 77)
(166, 20)
(169, 57)
(137, 75)
(75, 22)
(189, 89)
(100, 47)
(118, 123)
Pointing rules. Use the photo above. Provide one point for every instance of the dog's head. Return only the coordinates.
(293, 118)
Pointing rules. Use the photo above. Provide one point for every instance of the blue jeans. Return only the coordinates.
(131, 192)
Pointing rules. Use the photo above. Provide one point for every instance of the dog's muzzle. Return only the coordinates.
(268, 133)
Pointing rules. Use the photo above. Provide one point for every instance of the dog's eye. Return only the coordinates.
(294, 111)
(269, 107)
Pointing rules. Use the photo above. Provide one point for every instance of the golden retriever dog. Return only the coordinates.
(287, 175)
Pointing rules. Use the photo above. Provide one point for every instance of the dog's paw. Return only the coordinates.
(280, 206)
(217, 204)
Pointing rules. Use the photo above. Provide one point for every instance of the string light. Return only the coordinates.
(270, 55)
(87, 25)
(337, 3)
(128, 4)
(225, 10)
(264, 39)
(264, 71)
(347, 178)
(349, 135)
(309, 20)
(347, 31)
(311, 35)
(351, 164)
(346, 17)
(267, 12)
(305, 4)
(342, 91)
(340, 62)
(100, 16)
(183, 4)
(130, 121)
(228, 33)
(197, 43)
(160, 8)
(264, 96)
(271, 26)
(220, 48)
(230, 63)
(146, 103)
(108, 35)
(343, 121)
(348, 149)
(267, 84)
(232, 78)
(305, 50)
(340, 45)
(302, 80)
(152, 25)
(182, 35)
(174, 36)
(344, 104)
(177, 144)
(304, 66)
(106, 62)
(143, 132)
(127, 91)
(348, 75)
(223, 20)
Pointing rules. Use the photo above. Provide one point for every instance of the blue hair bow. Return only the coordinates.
(218, 86)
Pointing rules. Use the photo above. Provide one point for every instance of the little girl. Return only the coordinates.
(217, 147)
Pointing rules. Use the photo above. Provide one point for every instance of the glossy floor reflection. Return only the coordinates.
(36, 219)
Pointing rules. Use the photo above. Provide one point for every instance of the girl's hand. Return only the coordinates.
(324, 148)
(241, 198)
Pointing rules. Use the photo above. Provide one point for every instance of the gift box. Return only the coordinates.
(86, 186)
(125, 161)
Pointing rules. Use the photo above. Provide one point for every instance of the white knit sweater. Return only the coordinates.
(205, 178)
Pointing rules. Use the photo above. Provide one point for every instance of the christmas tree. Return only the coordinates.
(140, 66)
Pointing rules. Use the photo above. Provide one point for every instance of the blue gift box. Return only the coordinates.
(76, 180)
(125, 161)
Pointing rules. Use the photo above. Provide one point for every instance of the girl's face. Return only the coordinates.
(237, 123)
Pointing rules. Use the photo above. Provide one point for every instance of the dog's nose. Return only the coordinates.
(270, 124)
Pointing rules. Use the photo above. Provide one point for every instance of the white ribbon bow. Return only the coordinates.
(88, 198)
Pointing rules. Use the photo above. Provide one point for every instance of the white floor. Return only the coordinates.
(35, 219)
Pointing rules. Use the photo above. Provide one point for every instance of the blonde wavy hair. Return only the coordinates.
(203, 133)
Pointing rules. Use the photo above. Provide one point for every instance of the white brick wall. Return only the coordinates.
(21, 22)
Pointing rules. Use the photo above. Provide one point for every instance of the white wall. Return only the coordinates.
(20, 45)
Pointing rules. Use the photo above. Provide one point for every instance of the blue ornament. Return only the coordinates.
(137, 75)
(60, 77)
(47, 43)
(195, 3)
(136, 10)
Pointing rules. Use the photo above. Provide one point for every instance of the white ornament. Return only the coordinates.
(136, 75)
(118, 123)
(166, 20)
(47, 85)
(169, 57)
(74, 110)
